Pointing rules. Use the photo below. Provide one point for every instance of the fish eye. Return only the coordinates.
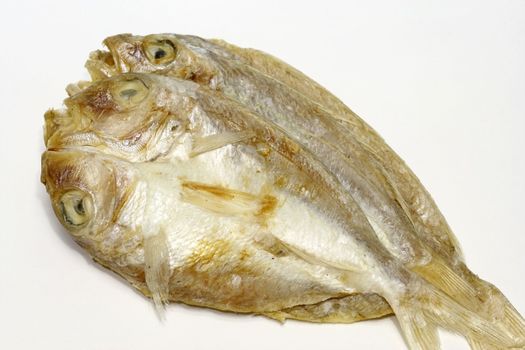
(160, 52)
(129, 93)
(76, 207)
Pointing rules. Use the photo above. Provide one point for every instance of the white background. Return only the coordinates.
(442, 81)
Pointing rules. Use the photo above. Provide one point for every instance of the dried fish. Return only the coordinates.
(229, 180)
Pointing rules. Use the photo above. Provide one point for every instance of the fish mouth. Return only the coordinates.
(103, 64)
(66, 128)
(100, 65)
(108, 62)
(54, 119)
(112, 60)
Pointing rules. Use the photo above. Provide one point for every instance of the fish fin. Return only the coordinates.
(225, 201)
(212, 142)
(419, 331)
(476, 295)
(475, 344)
(316, 260)
(157, 270)
(434, 306)
(442, 276)
(501, 311)
(513, 320)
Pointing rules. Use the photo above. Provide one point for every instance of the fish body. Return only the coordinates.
(402, 213)
(209, 209)
(197, 189)
(256, 79)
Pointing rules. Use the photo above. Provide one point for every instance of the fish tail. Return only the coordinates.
(439, 274)
(501, 310)
(514, 320)
(475, 344)
(421, 312)
(476, 295)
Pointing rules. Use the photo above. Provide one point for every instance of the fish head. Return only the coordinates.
(89, 192)
(133, 116)
(168, 54)
(93, 146)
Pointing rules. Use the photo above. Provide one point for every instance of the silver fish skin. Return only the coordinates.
(239, 74)
(426, 216)
(207, 222)
(306, 121)
(403, 215)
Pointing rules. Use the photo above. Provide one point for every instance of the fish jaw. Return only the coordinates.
(101, 64)
(122, 48)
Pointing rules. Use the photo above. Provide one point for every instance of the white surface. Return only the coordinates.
(442, 81)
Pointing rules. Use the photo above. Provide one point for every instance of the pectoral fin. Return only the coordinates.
(225, 201)
(209, 143)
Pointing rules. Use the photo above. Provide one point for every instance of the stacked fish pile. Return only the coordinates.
(222, 177)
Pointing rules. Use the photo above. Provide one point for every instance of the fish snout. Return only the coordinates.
(101, 65)
(125, 54)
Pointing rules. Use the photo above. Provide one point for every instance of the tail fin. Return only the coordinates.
(420, 315)
(475, 294)
(477, 345)
(502, 311)
(513, 320)
(439, 274)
